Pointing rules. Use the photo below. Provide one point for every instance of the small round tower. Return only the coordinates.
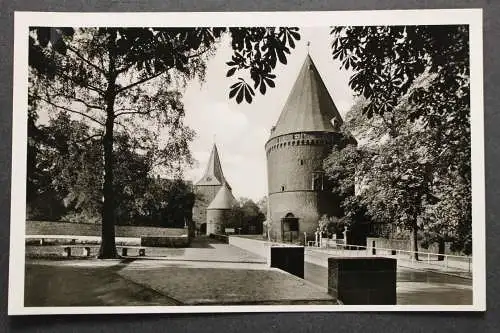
(219, 210)
(308, 126)
(207, 188)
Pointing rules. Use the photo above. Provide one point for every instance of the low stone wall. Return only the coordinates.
(396, 244)
(220, 238)
(166, 241)
(88, 229)
(399, 244)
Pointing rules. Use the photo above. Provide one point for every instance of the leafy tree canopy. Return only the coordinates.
(256, 51)
(413, 119)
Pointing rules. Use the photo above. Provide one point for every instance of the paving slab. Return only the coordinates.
(192, 283)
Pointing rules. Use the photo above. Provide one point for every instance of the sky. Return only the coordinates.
(240, 131)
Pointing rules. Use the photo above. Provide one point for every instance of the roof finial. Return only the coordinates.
(308, 44)
(215, 135)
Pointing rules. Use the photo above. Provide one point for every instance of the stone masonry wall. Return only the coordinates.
(204, 196)
(216, 219)
(291, 161)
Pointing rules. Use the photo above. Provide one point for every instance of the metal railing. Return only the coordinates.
(445, 262)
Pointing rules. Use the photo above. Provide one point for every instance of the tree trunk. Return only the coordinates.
(108, 246)
(441, 249)
(414, 241)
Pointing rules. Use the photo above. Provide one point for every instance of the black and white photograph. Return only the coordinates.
(247, 162)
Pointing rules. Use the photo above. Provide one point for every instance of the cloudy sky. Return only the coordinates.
(241, 131)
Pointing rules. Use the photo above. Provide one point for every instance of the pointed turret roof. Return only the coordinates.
(224, 199)
(213, 173)
(309, 106)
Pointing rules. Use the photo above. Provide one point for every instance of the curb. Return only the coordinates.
(436, 271)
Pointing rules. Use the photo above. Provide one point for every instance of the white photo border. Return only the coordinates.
(23, 20)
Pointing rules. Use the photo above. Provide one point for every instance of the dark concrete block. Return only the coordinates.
(124, 252)
(363, 280)
(290, 259)
(142, 252)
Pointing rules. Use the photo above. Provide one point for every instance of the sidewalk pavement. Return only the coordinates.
(320, 257)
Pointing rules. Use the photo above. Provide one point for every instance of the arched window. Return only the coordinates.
(318, 181)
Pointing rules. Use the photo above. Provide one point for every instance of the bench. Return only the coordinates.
(140, 251)
(68, 251)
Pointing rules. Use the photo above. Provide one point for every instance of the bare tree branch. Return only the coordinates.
(198, 54)
(70, 110)
(155, 75)
(100, 70)
(87, 85)
(91, 106)
(130, 111)
(76, 99)
(124, 68)
(88, 138)
(141, 81)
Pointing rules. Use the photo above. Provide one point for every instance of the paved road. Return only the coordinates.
(414, 287)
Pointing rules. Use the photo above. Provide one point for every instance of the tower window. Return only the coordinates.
(282, 188)
(301, 162)
(317, 181)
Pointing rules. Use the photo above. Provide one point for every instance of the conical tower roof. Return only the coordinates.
(309, 107)
(213, 173)
(223, 200)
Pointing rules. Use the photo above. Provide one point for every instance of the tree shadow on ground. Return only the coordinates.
(80, 283)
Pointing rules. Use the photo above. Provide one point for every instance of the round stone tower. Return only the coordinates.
(299, 193)
(219, 210)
